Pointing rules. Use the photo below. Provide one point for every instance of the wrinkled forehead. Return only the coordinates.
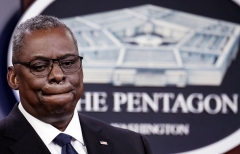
(51, 43)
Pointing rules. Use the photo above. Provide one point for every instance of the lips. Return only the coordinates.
(56, 90)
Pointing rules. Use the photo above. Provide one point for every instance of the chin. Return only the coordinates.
(58, 111)
(61, 112)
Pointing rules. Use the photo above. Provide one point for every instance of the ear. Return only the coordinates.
(12, 78)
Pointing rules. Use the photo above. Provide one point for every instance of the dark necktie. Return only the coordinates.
(64, 141)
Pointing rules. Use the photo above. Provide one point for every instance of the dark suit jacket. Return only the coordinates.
(18, 137)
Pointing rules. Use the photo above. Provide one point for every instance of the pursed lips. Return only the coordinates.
(56, 90)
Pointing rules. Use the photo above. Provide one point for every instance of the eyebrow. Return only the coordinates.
(46, 58)
(39, 57)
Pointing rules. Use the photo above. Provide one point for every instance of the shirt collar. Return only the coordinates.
(47, 132)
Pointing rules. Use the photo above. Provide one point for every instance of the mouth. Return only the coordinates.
(58, 95)
(56, 90)
(55, 93)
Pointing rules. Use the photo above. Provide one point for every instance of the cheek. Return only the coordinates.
(30, 90)
(30, 85)
(77, 81)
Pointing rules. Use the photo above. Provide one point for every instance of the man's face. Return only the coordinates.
(54, 97)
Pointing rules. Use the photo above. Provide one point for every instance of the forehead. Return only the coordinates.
(50, 43)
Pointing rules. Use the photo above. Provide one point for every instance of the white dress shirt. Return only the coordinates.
(47, 132)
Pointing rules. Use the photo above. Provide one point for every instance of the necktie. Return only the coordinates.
(64, 141)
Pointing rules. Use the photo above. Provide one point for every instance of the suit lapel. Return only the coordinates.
(95, 142)
(27, 140)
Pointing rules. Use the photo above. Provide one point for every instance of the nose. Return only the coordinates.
(56, 75)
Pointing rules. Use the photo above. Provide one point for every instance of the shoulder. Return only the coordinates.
(95, 123)
(2, 126)
(3, 140)
(13, 120)
(5, 125)
(128, 140)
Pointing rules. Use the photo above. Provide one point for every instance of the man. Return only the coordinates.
(48, 74)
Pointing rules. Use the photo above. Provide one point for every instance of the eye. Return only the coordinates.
(39, 66)
(68, 63)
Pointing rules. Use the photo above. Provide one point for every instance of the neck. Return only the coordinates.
(59, 122)
(61, 125)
